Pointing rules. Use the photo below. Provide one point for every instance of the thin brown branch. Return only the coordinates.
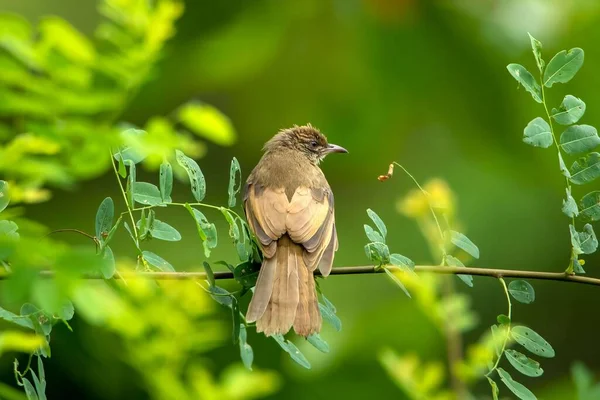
(492, 273)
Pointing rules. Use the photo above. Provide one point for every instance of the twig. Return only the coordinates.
(491, 273)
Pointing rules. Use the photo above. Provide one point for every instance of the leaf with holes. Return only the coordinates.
(537, 133)
(525, 78)
(523, 364)
(569, 207)
(579, 139)
(166, 181)
(532, 341)
(562, 166)
(588, 243)
(194, 173)
(570, 111)
(536, 48)
(206, 230)
(563, 66)
(517, 388)
(233, 189)
(586, 169)
(589, 206)
(522, 291)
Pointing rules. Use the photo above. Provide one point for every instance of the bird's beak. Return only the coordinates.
(334, 148)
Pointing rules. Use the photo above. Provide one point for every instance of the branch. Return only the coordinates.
(491, 273)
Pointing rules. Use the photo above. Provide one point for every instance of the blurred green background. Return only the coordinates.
(423, 83)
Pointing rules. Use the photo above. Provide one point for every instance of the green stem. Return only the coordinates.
(183, 205)
(129, 209)
(570, 267)
(507, 330)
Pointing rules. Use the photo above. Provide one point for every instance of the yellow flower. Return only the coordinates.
(416, 203)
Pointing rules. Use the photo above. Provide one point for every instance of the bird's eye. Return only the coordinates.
(314, 143)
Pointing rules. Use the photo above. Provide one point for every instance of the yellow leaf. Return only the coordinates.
(208, 122)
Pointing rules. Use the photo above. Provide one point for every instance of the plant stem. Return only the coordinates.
(129, 209)
(573, 255)
(183, 205)
(507, 329)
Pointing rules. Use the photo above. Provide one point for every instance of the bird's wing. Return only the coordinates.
(308, 219)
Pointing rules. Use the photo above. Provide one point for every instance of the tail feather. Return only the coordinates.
(308, 318)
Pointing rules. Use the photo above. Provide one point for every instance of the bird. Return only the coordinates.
(289, 206)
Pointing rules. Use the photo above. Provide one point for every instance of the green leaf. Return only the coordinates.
(563, 66)
(246, 274)
(292, 350)
(166, 181)
(521, 291)
(569, 207)
(587, 240)
(146, 194)
(206, 230)
(40, 386)
(397, 281)
(221, 295)
(163, 231)
(234, 172)
(20, 320)
(318, 343)
(518, 389)
(104, 218)
(131, 152)
(455, 262)
(4, 196)
(562, 166)
(532, 341)
(464, 243)
(246, 352)
(523, 364)
(130, 182)
(206, 121)
(328, 312)
(586, 169)
(210, 276)
(373, 235)
(570, 111)
(495, 390)
(108, 263)
(589, 206)
(405, 263)
(579, 138)
(131, 235)
(525, 78)
(575, 243)
(235, 312)
(378, 253)
(194, 173)
(537, 133)
(29, 390)
(378, 222)
(156, 261)
(536, 47)
(42, 374)
(122, 170)
(503, 319)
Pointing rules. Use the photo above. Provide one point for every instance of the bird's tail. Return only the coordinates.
(285, 294)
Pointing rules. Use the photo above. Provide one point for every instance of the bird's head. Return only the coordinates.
(305, 139)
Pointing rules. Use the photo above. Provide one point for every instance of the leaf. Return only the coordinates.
(292, 350)
(579, 138)
(378, 222)
(166, 181)
(532, 341)
(146, 194)
(521, 291)
(210, 276)
(523, 364)
(194, 173)
(246, 352)
(503, 319)
(464, 243)
(562, 166)
(518, 389)
(328, 313)
(130, 182)
(206, 230)
(569, 207)
(206, 121)
(536, 47)
(234, 172)
(131, 152)
(570, 111)
(318, 343)
(525, 78)
(455, 262)
(131, 235)
(4, 196)
(397, 281)
(29, 390)
(221, 295)
(537, 133)
(156, 261)
(586, 169)
(42, 374)
(40, 387)
(373, 235)
(405, 263)
(108, 263)
(563, 66)
(589, 206)
(246, 274)
(495, 390)
(122, 170)
(15, 319)
(587, 240)
(104, 218)
(163, 231)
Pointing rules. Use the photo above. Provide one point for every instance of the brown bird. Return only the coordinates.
(289, 206)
